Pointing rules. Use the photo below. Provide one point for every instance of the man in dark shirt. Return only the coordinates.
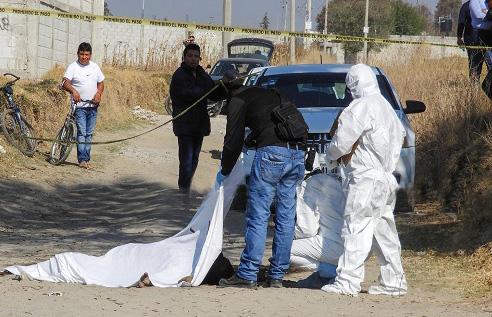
(188, 84)
(277, 168)
(466, 36)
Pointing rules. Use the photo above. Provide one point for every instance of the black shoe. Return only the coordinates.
(235, 281)
(273, 283)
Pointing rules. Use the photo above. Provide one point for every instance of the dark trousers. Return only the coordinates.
(475, 62)
(189, 151)
(475, 57)
(478, 57)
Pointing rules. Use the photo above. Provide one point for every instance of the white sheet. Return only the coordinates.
(189, 253)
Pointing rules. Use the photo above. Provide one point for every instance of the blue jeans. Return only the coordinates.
(475, 57)
(189, 152)
(85, 118)
(327, 270)
(275, 173)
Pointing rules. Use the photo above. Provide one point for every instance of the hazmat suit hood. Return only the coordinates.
(361, 81)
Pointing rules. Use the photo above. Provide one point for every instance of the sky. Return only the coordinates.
(247, 13)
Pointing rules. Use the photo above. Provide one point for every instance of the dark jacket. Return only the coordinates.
(249, 107)
(464, 29)
(185, 89)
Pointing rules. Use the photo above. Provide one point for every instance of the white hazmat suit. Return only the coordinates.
(369, 186)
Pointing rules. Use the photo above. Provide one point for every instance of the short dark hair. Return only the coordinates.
(191, 47)
(84, 47)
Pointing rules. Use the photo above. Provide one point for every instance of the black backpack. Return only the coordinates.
(289, 122)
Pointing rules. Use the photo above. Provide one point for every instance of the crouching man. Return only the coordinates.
(370, 131)
(278, 168)
(318, 242)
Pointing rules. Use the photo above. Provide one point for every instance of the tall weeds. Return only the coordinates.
(457, 110)
(46, 106)
(453, 152)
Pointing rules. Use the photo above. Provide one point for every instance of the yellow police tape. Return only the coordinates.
(219, 28)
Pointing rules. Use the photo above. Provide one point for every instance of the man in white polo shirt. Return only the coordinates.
(84, 80)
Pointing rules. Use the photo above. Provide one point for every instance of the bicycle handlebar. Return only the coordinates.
(88, 101)
(10, 83)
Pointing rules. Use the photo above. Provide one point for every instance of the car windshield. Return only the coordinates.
(250, 50)
(314, 90)
(241, 67)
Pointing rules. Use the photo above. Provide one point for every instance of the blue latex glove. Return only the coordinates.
(219, 179)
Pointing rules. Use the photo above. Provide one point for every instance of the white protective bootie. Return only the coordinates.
(385, 290)
(336, 289)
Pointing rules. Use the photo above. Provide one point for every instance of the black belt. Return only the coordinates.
(292, 145)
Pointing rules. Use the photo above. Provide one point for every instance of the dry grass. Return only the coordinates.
(161, 57)
(46, 106)
(481, 263)
(311, 55)
(457, 111)
(459, 273)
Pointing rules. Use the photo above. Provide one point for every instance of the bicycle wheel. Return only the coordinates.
(59, 149)
(18, 132)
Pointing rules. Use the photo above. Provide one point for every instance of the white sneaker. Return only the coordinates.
(334, 288)
(385, 290)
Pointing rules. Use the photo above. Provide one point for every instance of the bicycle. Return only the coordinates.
(16, 129)
(65, 139)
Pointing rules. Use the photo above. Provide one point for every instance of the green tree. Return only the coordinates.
(265, 22)
(406, 19)
(424, 12)
(446, 8)
(346, 17)
(106, 8)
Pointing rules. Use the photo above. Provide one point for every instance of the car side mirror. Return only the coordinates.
(414, 106)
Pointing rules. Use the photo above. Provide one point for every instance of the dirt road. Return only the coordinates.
(131, 196)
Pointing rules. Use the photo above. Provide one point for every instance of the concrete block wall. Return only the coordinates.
(127, 44)
(13, 33)
(31, 45)
(398, 52)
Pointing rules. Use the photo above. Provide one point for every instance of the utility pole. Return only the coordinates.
(226, 36)
(366, 32)
(325, 29)
(308, 24)
(292, 29)
(142, 35)
(285, 16)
